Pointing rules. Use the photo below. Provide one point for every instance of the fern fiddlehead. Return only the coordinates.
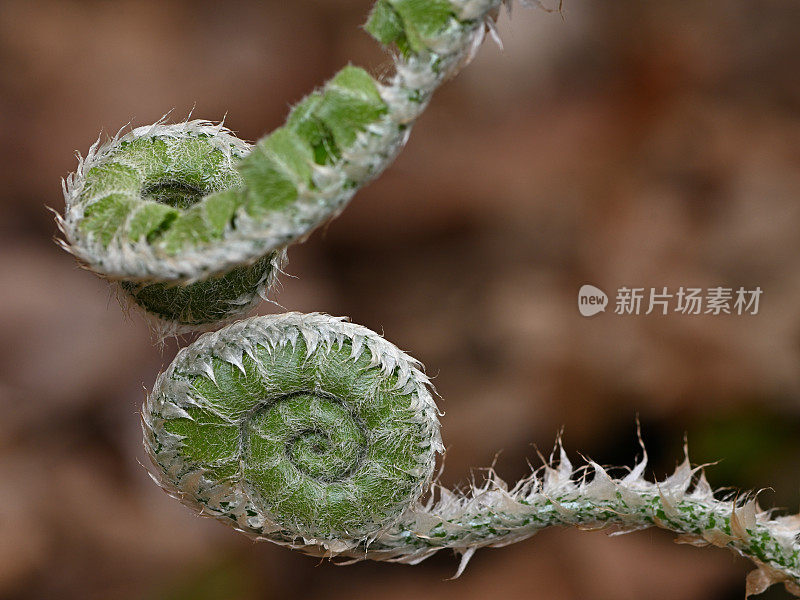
(306, 430)
(193, 222)
(314, 433)
(333, 429)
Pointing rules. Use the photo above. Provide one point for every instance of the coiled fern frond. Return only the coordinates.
(193, 222)
(317, 434)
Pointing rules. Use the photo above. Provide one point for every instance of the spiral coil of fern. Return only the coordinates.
(318, 434)
(295, 426)
(193, 222)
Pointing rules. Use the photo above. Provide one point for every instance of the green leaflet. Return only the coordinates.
(106, 216)
(112, 177)
(305, 122)
(271, 183)
(409, 24)
(385, 25)
(349, 103)
(149, 220)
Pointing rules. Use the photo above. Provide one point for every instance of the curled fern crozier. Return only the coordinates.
(295, 427)
(193, 222)
(312, 432)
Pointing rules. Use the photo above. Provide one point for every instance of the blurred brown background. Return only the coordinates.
(627, 143)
